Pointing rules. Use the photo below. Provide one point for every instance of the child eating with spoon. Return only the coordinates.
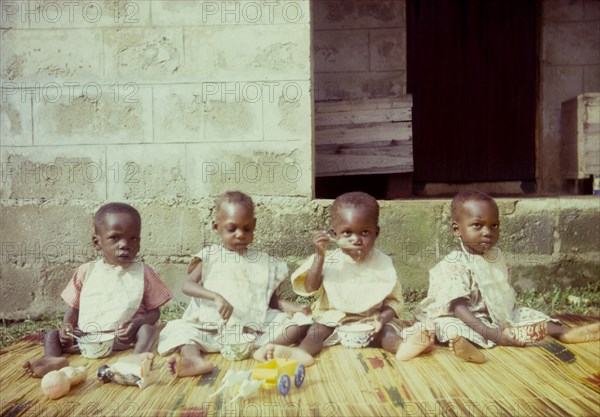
(356, 282)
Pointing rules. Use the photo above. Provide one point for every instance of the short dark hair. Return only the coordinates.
(356, 199)
(115, 208)
(234, 197)
(468, 195)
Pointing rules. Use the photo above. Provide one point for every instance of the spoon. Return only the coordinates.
(342, 244)
(68, 329)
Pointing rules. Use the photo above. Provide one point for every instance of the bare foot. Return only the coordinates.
(581, 334)
(465, 350)
(271, 350)
(415, 344)
(188, 366)
(264, 353)
(40, 367)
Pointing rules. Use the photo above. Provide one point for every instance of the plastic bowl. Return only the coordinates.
(236, 347)
(529, 331)
(355, 335)
(95, 346)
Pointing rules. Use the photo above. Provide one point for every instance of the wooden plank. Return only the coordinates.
(374, 158)
(332, 165)
(592, 142)
(591, 154)
(591, 115)
(360, 105)
(589, 134)
(363, 116)
(371, 136)
(359, 133)
(374, 146)
(580, 136)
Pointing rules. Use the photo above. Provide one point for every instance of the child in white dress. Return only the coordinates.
(355, 282)
(470, 300)
(116, 294)
(234, 290)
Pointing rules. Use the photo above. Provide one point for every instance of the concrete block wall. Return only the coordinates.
(359, 49)
(155, 99)
(570, 66)
(547, 242)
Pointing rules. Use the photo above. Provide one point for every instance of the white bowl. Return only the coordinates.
(529, 331)
(236, 346)
(356, 335)
(96, 345)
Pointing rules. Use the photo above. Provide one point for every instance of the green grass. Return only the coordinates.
(581, 300)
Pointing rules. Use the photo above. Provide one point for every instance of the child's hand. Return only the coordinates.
(381, 318)
(320, 240)
(65, 335)
(291, 308)
(223, 307)
(127, 332)
(378, 324)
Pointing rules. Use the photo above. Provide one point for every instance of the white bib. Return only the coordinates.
(110, 295)
(357, 287)
(244, 281)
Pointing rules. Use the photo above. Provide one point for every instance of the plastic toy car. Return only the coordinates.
(278, 373)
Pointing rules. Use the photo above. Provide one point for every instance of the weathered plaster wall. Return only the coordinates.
(155, 99)
(570, 66)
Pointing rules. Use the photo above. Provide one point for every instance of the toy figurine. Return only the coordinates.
(231, 382)
(248, 388)
(127, 373)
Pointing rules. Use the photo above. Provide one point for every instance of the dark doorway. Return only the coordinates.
(472, 71)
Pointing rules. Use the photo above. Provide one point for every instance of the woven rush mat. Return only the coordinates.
(343, 382)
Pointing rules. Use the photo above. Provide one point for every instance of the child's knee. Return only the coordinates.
(52, 334)
(295, 333)
(53, 337)
(387, 336)
(389, 332)
(319, 332)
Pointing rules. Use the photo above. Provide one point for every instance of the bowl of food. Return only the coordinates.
(355, 335)
(529, 331)
(236, 346)
(98, 345)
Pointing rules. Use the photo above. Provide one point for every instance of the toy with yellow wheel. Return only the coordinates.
(279, 373)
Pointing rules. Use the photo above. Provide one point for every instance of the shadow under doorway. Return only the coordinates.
(380, 186)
